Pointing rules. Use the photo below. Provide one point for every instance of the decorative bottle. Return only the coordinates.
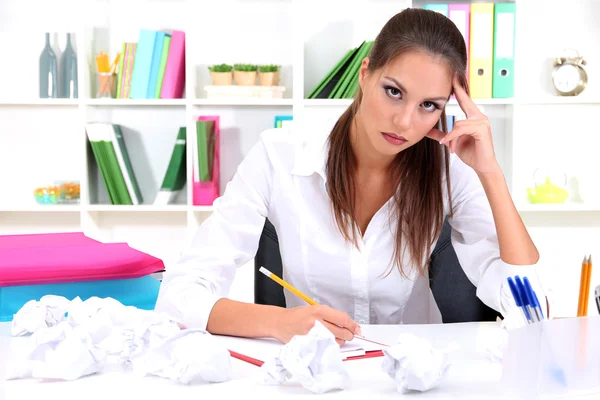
(68, 65)
(48, 71)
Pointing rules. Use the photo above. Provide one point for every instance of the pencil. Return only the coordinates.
(306, 299)
(246, 358)
(582, 287)
(288, 286)
(586, 294)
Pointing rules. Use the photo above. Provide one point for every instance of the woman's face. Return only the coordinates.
(403, 101)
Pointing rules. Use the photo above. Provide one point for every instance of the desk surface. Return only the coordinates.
(473, 374)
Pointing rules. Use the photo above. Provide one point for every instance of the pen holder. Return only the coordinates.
(553, 358)
(106, 85)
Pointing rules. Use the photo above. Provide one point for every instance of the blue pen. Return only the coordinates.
(524, 298)
(533, 300)
(517, 297)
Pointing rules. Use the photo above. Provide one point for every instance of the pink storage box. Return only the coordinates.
(205, 193)
(73, 265)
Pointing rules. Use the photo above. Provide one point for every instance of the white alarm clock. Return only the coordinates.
(569, 76)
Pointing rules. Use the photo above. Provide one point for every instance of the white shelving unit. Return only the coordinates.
(42, 140)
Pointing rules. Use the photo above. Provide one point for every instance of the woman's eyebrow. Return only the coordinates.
(439, 98)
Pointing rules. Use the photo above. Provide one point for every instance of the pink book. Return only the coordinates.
(174, 75)
(460, 15)
(57, 260)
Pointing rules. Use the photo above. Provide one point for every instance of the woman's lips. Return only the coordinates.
(394, 139)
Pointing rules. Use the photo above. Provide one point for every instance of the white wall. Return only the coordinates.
(41, 143)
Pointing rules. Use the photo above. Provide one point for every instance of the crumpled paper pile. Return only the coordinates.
(313, 359)
(101, 331)
(414, 364)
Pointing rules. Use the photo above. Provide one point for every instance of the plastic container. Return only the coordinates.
(138, 292)
(73, 265)
(553, 359)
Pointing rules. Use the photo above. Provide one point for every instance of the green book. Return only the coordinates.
(98, 155)
(95, 136)
(163, 64)
(123, 196)
(132, 189)
(175, 176)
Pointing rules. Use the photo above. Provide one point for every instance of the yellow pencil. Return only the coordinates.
(306, 298)
(288, 286)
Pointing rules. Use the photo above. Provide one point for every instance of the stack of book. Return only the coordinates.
(113, 161)
(153, 67)
(341, 82)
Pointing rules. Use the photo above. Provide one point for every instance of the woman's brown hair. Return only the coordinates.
(418, 170)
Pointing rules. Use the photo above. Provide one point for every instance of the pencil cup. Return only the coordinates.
(106, 85)
(553, 358)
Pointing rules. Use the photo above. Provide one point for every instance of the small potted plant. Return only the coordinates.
(268, 75)
(221, 74)
(244, 74)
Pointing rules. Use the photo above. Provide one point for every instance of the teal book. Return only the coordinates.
(155, 64)
(441, 8)
(144, 56)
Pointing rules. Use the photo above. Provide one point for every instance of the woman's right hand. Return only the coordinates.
(300, 320)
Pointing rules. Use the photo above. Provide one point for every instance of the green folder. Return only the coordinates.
(338, 69)
(353, 77)
(206, 144)
(503, 78)
(350, 73)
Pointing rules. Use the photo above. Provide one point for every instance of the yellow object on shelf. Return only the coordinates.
(547, 193)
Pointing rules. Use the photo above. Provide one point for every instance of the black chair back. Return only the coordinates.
(454, 294)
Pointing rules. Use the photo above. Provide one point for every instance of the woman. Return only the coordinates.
(359, 208)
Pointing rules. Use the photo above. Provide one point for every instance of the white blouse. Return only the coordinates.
(283, 179)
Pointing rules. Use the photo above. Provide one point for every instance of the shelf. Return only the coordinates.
(44, 208)
(39, 102)
(327, 102)
(135, 102)
(452, 102)
(242, 102)
(566, 207)
(140, 208)
(560, 100)
(203, 208)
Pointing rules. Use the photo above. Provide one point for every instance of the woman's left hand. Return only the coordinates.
(470, 139)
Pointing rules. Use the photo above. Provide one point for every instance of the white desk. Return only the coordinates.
(472, 376)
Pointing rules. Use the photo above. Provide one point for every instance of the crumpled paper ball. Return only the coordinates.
(101, 331)
(35, 315)
(313, 359)
(189, 356)
(414, 364)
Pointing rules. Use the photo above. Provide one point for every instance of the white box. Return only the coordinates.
(239, 91)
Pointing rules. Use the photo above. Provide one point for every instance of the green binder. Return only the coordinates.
(325, 86)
